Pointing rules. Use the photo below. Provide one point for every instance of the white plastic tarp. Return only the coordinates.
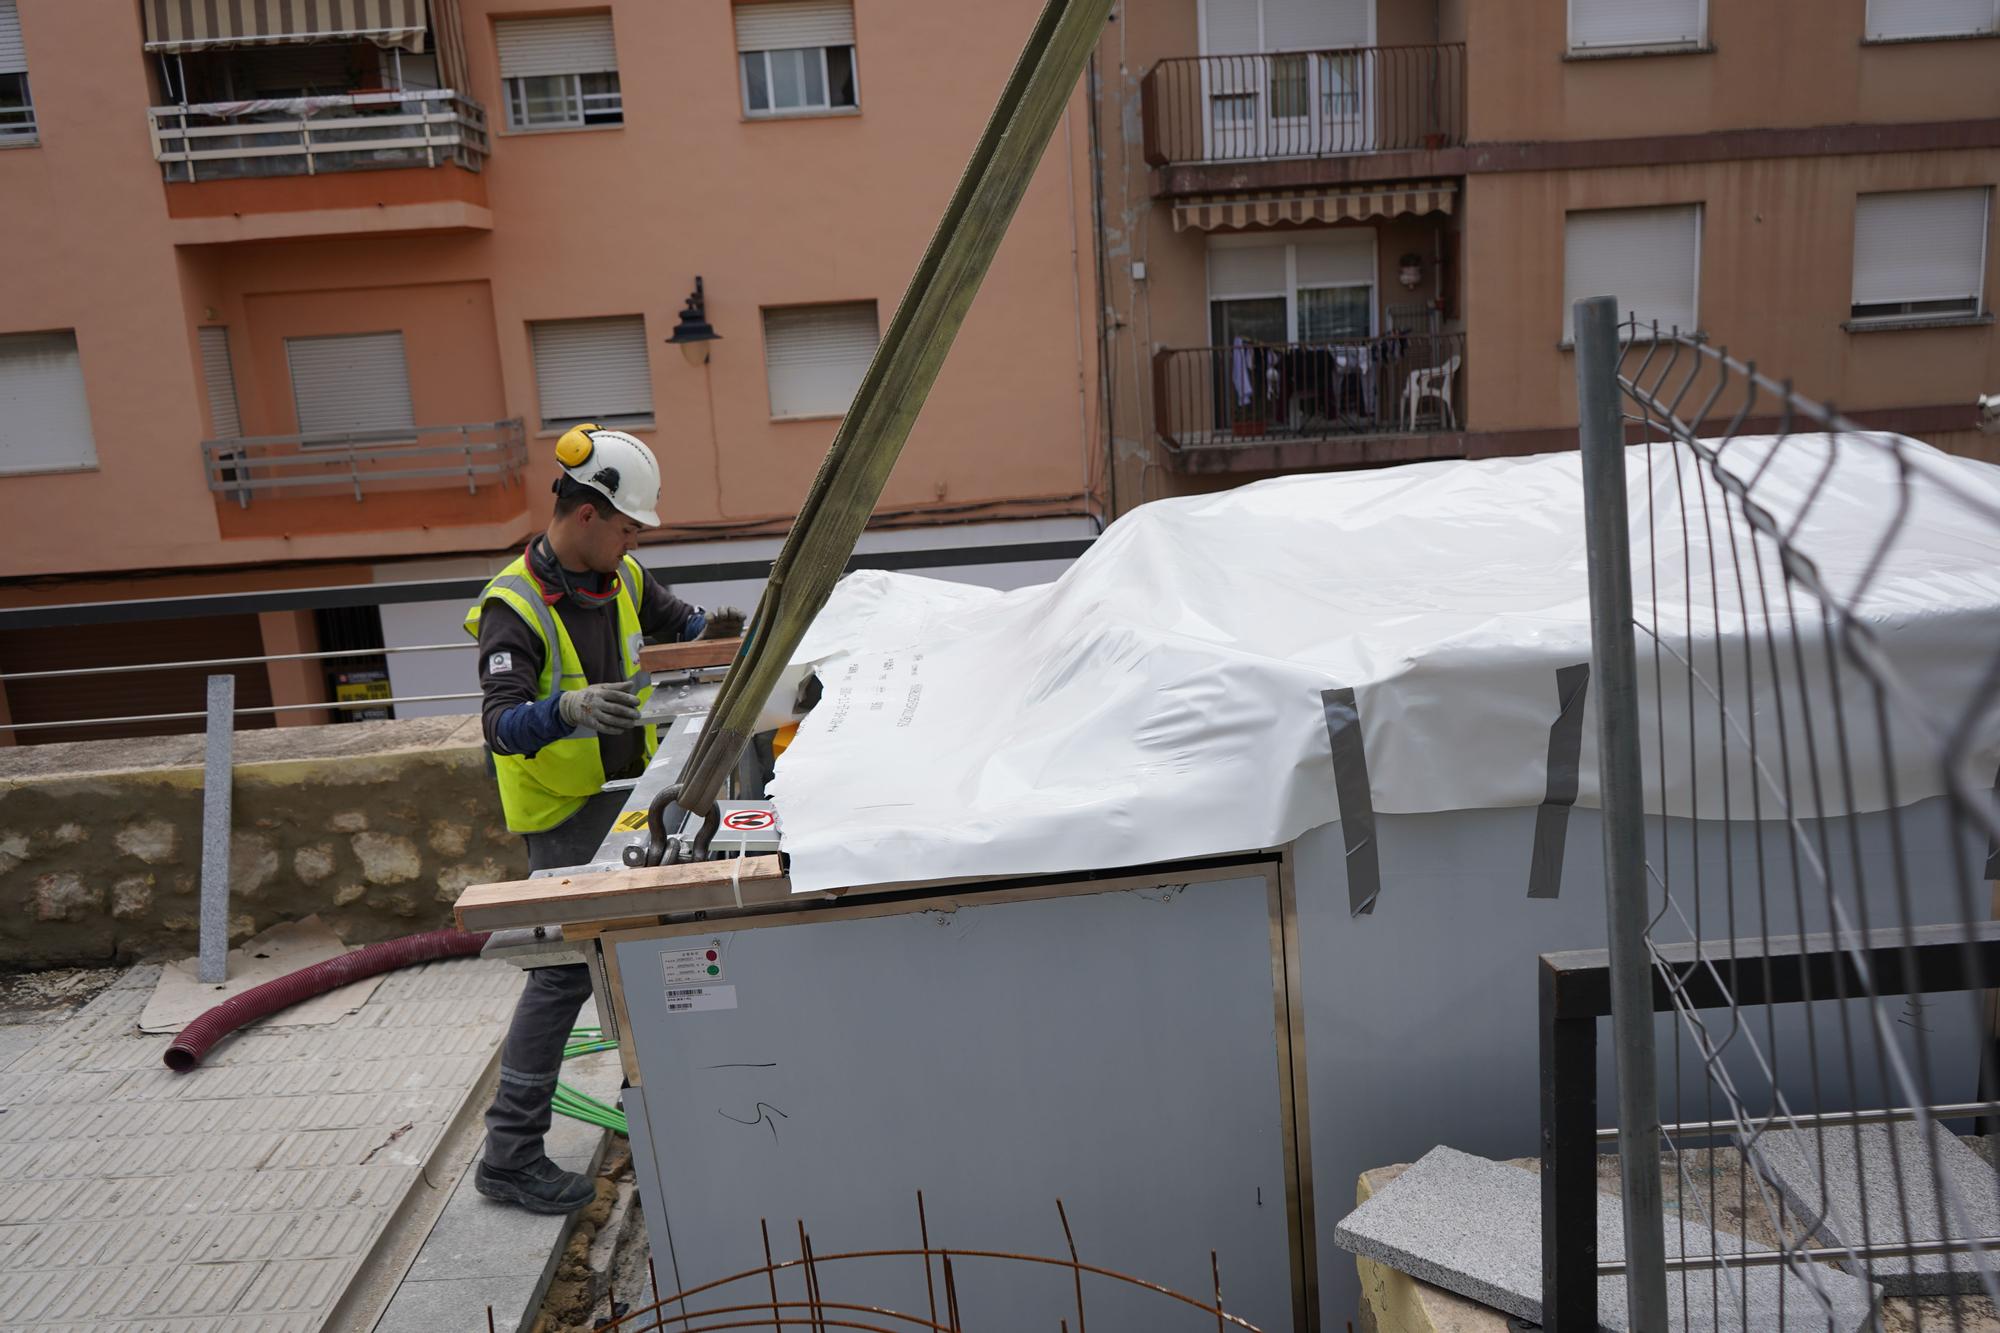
(1163, 699)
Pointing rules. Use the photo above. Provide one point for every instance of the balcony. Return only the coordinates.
(323, 165)
(1210, 121)
(422, 477)
(1271, 407)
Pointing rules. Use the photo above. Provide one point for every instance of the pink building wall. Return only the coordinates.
(577, 223)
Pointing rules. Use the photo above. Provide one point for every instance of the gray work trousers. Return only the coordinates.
(531, 1057)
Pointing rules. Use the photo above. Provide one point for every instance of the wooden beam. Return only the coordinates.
(591, 930)
(689, 656)
(612, 895)
(898, 379)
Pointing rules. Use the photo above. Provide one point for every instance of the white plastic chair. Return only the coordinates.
(1426, 384)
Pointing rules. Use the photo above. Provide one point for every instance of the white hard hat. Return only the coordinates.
(617, 466)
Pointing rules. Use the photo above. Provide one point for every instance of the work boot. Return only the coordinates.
(540, 1187)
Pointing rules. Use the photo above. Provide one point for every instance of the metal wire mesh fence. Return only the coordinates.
(1797, 662)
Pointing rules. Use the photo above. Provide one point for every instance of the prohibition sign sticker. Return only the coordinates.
(749, 821)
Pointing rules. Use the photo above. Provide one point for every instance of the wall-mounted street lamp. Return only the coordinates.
(693, 333)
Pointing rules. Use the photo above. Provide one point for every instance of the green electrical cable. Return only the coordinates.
(581, 1105)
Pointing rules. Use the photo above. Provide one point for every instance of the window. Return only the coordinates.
(1920, 256)
(1316, 288)
(593, 370)
(218, 376)
(815, 355)
(797, 57)
(1607, 25)
(560, 73)
(1295, 89)
(17, 109)
(44, 416)
(1914, 20)
(351, 384)
(1649, 258)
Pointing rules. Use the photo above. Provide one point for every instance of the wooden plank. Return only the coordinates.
(628, 1049)
(590, 930)
(689, 656)
(613, 894)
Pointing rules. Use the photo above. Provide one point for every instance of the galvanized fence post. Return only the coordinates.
(1615, 679)
(217, 779)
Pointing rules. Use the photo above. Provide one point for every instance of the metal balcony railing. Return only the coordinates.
(17, 124)
(1362, 99)
(303, 136)
(494, 452)
(1263, 393)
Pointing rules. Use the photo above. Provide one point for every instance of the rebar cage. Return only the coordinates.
(806, 1292)
(1796, 657)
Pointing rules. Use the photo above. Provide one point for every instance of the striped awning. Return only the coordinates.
(197, 25)
(1231, 212)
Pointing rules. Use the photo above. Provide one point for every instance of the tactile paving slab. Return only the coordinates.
(244, 1195)
(1474, 1227)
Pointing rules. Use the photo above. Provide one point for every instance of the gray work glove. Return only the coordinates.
(725, 622)
(608, 710)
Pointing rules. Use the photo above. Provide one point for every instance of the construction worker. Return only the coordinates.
(559, 632)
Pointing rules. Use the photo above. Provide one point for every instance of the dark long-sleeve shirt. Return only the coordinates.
(514, 718)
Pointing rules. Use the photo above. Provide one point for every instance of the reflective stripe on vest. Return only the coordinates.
(541, 792)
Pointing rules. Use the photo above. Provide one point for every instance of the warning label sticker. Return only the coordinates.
(695, 999)
(692, 967)
(630, 820)
(749, 821)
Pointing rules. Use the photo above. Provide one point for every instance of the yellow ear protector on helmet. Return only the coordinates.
(575, 447)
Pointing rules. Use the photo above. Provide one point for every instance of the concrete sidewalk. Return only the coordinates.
(249, 1194)
(482, 1254)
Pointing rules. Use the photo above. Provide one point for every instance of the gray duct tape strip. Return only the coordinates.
(1357, 808)
(1993, 849)
(1545, 869)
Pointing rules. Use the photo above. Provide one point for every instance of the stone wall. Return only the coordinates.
(375, 826)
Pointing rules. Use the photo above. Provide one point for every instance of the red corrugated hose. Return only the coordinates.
(197, 1037)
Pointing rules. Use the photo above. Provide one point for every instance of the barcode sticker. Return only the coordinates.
(696, 999)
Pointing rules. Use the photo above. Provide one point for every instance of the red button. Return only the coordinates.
(711, 955)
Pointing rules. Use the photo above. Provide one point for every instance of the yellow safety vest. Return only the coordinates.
(539, 793)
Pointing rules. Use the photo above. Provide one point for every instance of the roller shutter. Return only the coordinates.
(815, 356)
(356, 383)
(219, 378)
(788, 24)
(1649, 258)
(139, 693)
(44, 414)
(593, 370)
(1925, 246)
(1614, 23)
(531, 48)
(1889, 20)
(13, 54)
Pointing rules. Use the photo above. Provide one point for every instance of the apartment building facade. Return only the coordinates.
(1346, 233)
(299, 294)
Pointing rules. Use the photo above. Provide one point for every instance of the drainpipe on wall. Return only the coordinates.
(1105, 379)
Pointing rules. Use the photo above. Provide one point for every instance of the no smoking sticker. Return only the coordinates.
(749, 821)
